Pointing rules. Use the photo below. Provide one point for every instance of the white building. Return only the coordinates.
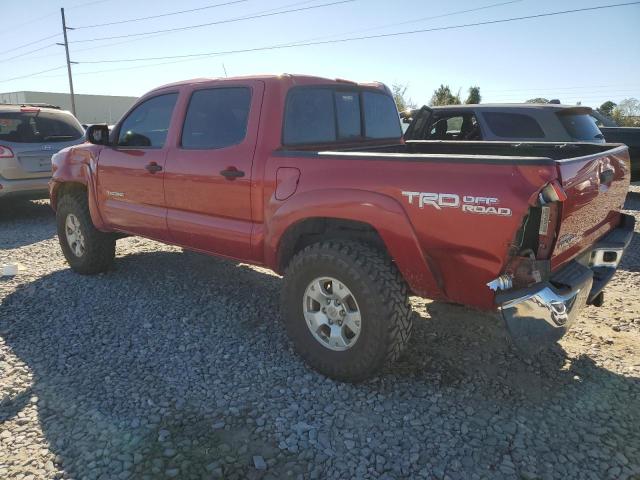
(89, 108)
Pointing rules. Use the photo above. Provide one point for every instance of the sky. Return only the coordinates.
(590, 57)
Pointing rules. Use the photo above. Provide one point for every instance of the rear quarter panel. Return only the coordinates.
(443, 253)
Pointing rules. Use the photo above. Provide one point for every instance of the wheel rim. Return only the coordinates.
(74, 235)
(332, 313)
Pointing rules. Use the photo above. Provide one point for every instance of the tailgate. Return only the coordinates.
(596, 186)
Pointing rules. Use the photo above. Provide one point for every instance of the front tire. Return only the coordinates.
(87, 250)
(346, 309)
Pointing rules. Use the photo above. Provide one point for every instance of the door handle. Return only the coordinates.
(232, 173)
(153, 167)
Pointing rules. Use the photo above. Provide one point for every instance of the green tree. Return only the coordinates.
(606, 108)
(443, 96)
(627, 113)
(403, 103)
(474, 95)
(538, 100)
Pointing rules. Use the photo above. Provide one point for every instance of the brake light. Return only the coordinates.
(29, 110)
(5, 152)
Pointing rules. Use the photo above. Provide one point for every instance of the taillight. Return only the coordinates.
(5, 152)
(552, 192)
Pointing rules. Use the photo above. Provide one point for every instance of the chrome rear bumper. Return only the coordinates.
(542, 313)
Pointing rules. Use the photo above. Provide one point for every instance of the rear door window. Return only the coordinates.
(581, 127)
(39, 127)
(309, 116)
(216, 118)
(148, 124)
(513, 125)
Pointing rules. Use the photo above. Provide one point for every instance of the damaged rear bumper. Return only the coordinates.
(542, 313)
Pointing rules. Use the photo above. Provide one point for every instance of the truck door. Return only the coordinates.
(208, 174)
(131, 172)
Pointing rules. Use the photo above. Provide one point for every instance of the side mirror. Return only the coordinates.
(98, 134)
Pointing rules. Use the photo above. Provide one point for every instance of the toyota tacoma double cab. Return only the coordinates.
(311, 177)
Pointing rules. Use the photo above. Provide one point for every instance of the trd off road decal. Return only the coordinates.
(467, 203)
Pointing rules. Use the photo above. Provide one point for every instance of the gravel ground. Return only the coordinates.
(175, 365)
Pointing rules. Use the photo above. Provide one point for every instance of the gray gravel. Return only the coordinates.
(175, 365)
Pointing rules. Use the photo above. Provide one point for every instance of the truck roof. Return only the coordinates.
(286, 78)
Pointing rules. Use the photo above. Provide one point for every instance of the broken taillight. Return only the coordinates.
(552, 192)
(534, 242)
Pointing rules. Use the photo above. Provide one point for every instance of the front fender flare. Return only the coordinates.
(77, 165)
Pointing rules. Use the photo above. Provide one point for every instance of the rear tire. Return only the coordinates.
(87, 250)
(375, 291)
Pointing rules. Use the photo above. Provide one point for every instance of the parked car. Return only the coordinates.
(29, 136)
(504, 122)
(310, 177)
(630, 136)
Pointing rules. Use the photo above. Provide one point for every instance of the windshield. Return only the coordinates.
(39, 127)
(581, 127)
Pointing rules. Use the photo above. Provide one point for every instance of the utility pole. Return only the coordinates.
(69, 62)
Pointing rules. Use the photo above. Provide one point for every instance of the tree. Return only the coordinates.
(403, 103)
(606, 108)
(538, 100)
(474, 95)
(443, 96)
(627, 113)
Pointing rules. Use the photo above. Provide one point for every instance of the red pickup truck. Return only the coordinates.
(311, 178)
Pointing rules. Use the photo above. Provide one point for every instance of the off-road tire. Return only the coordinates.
(382, 296)
(100, 247)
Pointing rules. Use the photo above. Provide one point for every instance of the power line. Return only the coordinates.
(150, 36)
(32, 74)
(367, 37)
(30, 43)
(417, 20)
(24, 54)
(231, 20)
(139, 19)
(29, 22)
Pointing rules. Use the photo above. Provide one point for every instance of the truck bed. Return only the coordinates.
(457, 237)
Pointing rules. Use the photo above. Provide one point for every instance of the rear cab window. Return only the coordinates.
(581, 127)
(513, 125)
(39, 126)
(315, 115)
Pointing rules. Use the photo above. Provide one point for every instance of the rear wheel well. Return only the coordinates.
(319, 229)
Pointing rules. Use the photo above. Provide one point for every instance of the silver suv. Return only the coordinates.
(29, 136)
